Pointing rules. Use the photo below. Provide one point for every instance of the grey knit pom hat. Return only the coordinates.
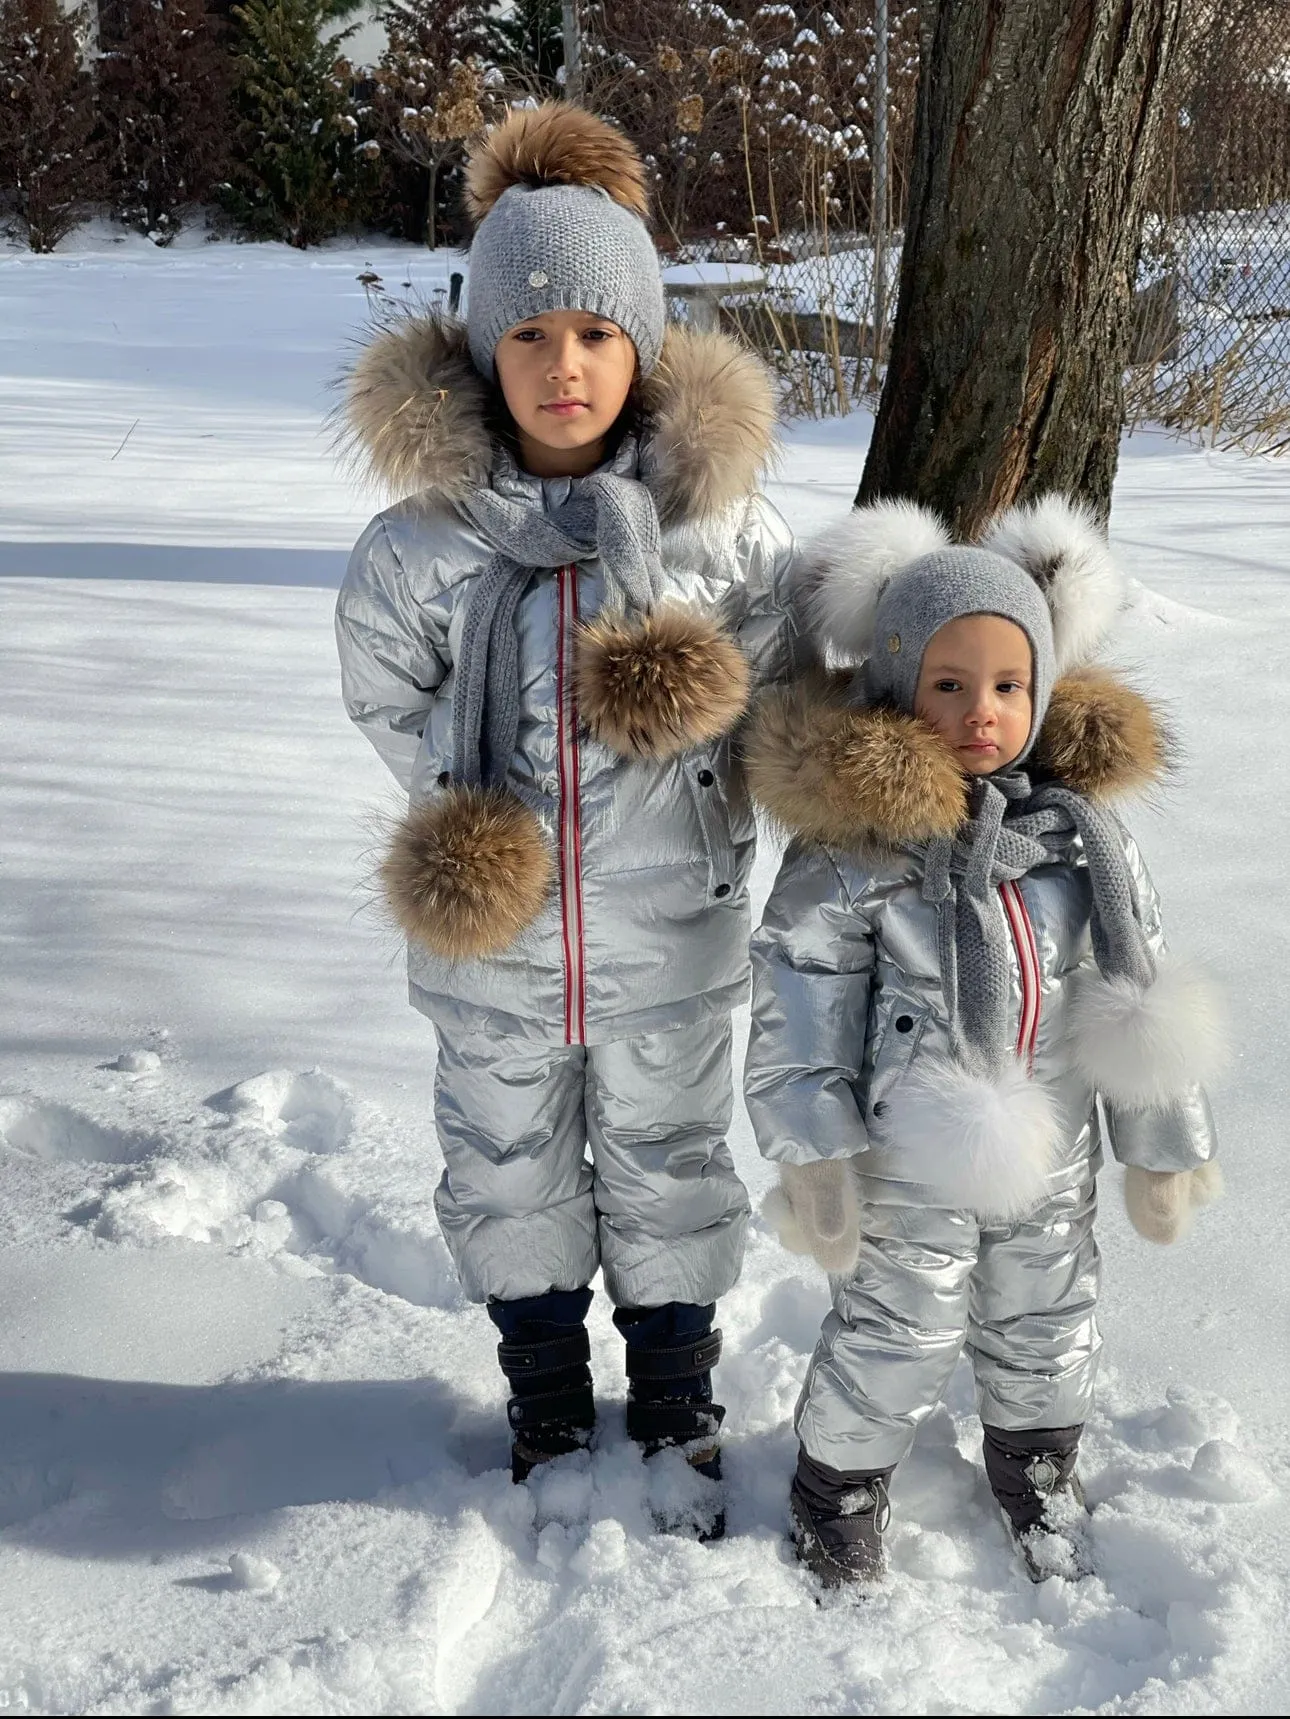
(945, 586)
(561, 201)
(886, 577)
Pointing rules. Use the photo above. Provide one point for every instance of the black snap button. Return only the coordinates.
(721, 890)
(445, 777)
(904, 1023)
(880, 1109)
(706, 778)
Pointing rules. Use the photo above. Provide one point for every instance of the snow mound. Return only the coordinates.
(1227, 1475)
(311, 1111)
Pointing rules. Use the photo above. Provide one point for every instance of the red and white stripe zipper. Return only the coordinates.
(575, 958)
(1023, 938)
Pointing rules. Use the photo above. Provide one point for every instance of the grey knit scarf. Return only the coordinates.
(1013, 829)
(608, 515)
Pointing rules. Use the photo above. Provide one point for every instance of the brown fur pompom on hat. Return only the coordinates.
(653, 687)
(467, 872)
(555, 144)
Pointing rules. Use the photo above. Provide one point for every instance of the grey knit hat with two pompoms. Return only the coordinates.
(560, 202)
(1044, 567)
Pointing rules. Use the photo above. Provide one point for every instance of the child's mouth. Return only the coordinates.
(565, 408)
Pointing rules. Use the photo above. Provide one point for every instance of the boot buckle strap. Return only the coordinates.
(1045, 1472)
(683, 1361)
(547, 1356)
(576, 1406)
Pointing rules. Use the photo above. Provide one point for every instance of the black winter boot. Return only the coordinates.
(1032, 1474)
(671, 1351)
(838, 1520)
(544, 1354)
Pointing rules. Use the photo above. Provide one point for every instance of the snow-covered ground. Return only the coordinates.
(251, 1448)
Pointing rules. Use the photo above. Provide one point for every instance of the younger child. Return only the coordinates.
(548, 641)
(962, 955)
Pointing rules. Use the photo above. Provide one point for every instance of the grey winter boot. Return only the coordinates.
(1032, 1474)
(838, 1520)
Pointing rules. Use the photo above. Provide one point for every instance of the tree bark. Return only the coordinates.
(1034, 137)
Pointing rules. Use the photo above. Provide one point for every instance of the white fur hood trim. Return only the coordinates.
(987, 1146)
(1143, 1047)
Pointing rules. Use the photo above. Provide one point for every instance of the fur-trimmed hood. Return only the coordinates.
(867, 778)
(414, 418)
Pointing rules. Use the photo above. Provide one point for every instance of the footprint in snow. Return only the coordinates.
(59, 1135)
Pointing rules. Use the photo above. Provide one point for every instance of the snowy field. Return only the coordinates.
(251, 1440)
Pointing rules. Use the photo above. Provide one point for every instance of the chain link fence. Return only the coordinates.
(762, 124)
(1212, 343)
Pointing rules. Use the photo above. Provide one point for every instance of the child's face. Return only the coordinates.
(566, 376)
(974, 690)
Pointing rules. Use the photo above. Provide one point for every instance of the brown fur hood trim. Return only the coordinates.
(467, 872)
(655, 686)
(414, 417)
(869, 778)
(555, 144)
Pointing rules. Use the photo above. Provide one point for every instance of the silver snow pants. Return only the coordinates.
(658, 1208)
(1022, 1297)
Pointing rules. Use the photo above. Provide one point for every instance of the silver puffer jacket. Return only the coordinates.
(648, 925)
(847, 994)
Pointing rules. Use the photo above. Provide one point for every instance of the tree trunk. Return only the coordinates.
(1034, 136)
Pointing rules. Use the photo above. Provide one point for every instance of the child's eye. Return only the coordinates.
(1011, 686)
(528, 334)
(599, 334)
(947, 686)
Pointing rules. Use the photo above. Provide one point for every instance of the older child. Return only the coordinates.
(962, 955)
(548, 643)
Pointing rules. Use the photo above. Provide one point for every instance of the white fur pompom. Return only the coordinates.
(849, 566)
(1062, 547)
(987, 1146)
(1144, 1047)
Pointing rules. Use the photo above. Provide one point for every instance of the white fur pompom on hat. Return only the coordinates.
(1055, 541)
(985, 1145)
(850, 564)
(1143, 1047)
(1064, 550)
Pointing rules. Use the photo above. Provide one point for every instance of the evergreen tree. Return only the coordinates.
(527, 42)
(163, 94)
(295, 166)
(434, 91)
(48, 161)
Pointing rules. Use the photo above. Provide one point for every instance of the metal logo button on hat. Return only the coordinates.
(893, 643)
(539, 278)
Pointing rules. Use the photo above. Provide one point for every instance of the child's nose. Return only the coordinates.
(564, 358)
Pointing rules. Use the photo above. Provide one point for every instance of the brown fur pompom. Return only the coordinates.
(555, 144)
(1100, 737)
(852, 777)
(467, 872)
(653, 687)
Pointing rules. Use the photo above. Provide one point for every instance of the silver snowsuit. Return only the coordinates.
(846, 999)
(608, 1022)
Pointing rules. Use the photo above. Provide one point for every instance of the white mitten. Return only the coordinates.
(816, 1210)
(1160, 1202)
